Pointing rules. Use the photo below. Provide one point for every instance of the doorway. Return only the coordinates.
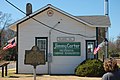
(90, 44)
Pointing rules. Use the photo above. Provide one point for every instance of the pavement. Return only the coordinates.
(13, 76)
(48, 78)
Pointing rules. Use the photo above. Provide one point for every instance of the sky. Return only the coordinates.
(73, 7)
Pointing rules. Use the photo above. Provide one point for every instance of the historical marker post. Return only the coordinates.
(34, 57)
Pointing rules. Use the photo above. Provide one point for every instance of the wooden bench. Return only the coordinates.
(4, 64)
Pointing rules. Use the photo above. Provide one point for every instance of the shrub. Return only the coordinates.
(90, 68)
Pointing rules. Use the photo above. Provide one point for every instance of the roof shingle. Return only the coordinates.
(96, 20)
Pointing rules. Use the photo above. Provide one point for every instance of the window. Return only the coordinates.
(41, 42)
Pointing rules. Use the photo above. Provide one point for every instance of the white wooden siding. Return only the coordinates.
(30, 29)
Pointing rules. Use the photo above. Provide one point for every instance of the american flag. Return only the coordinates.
(10, 45)
(99, 46)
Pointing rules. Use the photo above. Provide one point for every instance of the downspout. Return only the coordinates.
(96, 42)
(50, 54)
(17, 50)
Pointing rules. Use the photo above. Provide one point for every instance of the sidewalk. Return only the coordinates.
(52, 78)
(13, 76)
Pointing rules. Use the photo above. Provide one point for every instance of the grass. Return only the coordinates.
(10, 72)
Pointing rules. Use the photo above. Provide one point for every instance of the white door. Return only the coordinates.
(89, 49)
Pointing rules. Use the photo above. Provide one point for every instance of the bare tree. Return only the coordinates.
(114, 47)
(5, 20)
(5, 34)
(118, 43)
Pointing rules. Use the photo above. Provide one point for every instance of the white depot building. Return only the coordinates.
(66, 40)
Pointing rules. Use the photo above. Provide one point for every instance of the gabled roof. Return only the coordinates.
(87, 20)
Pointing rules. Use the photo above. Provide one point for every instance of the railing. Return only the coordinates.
(4, 64)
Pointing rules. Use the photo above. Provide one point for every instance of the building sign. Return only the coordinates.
(66, 48)
(65, 39)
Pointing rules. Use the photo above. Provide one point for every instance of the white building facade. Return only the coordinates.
(66, 40)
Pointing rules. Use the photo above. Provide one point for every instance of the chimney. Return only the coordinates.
(106, 7)
(106, 13)
(28, 9)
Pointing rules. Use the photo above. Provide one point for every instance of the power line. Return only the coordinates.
(46, 24)
(15, 7)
